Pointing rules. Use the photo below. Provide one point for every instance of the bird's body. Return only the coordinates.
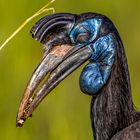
(79, 38)
(131, 132)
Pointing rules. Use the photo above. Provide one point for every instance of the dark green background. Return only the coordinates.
(64, 114)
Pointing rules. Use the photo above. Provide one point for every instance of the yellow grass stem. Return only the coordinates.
(44, 9)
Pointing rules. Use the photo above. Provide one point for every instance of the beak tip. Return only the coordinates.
(19, 123)
(20, 120)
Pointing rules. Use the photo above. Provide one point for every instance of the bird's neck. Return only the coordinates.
(112, 109)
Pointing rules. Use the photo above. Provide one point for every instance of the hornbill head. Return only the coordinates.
(69, 40)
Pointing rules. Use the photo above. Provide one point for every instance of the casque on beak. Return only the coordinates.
(60, 58)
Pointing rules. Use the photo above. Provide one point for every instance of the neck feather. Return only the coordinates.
(112, 109)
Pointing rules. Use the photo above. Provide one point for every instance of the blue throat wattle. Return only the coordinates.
(96, 73)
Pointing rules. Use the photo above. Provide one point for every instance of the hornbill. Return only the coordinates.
(70, 40)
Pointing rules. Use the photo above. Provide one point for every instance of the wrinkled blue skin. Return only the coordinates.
(96, 73)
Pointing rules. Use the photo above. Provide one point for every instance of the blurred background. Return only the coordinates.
(64, 114)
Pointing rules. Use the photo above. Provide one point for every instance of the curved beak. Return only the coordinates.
(57, 63)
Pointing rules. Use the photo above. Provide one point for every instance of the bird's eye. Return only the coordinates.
(82, 38)
(81, 34)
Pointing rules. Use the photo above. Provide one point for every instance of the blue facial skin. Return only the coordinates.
(88, 28)
(96, 73)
